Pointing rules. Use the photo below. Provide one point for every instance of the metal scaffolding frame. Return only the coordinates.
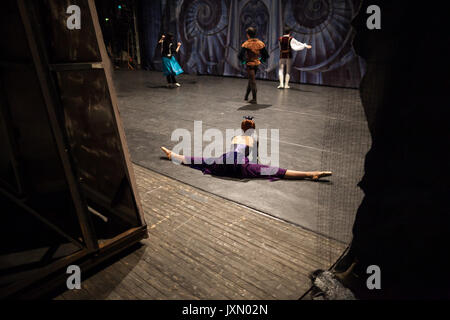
(92, 250)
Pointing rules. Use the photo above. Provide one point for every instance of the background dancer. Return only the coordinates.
(253, 51)
(171, 68)
(287, 44)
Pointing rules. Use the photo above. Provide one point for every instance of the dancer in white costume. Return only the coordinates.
(287, 44)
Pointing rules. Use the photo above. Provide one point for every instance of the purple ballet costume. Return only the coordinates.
(235, 164)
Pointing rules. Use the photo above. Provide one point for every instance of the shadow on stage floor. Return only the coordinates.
(320, 128)
(254, 107)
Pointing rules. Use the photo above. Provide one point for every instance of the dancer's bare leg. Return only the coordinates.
(313, 175)
(174, 156)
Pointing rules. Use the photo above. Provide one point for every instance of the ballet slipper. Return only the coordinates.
(167, 152)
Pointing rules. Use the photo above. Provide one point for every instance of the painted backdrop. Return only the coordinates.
(211, 32)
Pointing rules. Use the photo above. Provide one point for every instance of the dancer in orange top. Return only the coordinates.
(253, 51)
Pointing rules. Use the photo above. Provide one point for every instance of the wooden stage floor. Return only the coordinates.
(202, 246)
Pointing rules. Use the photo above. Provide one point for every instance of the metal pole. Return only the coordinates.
(136, 34)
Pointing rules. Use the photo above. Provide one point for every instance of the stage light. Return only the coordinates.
(119, 6)
(106, 19)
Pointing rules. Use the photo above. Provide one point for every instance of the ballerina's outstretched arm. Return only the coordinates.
(174, 156)
(313, 175)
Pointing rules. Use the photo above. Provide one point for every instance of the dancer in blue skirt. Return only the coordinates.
(171, 68)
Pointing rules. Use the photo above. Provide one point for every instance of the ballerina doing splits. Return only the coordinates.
(236, 164)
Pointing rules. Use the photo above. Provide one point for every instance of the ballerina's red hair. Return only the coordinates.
(247, 124)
